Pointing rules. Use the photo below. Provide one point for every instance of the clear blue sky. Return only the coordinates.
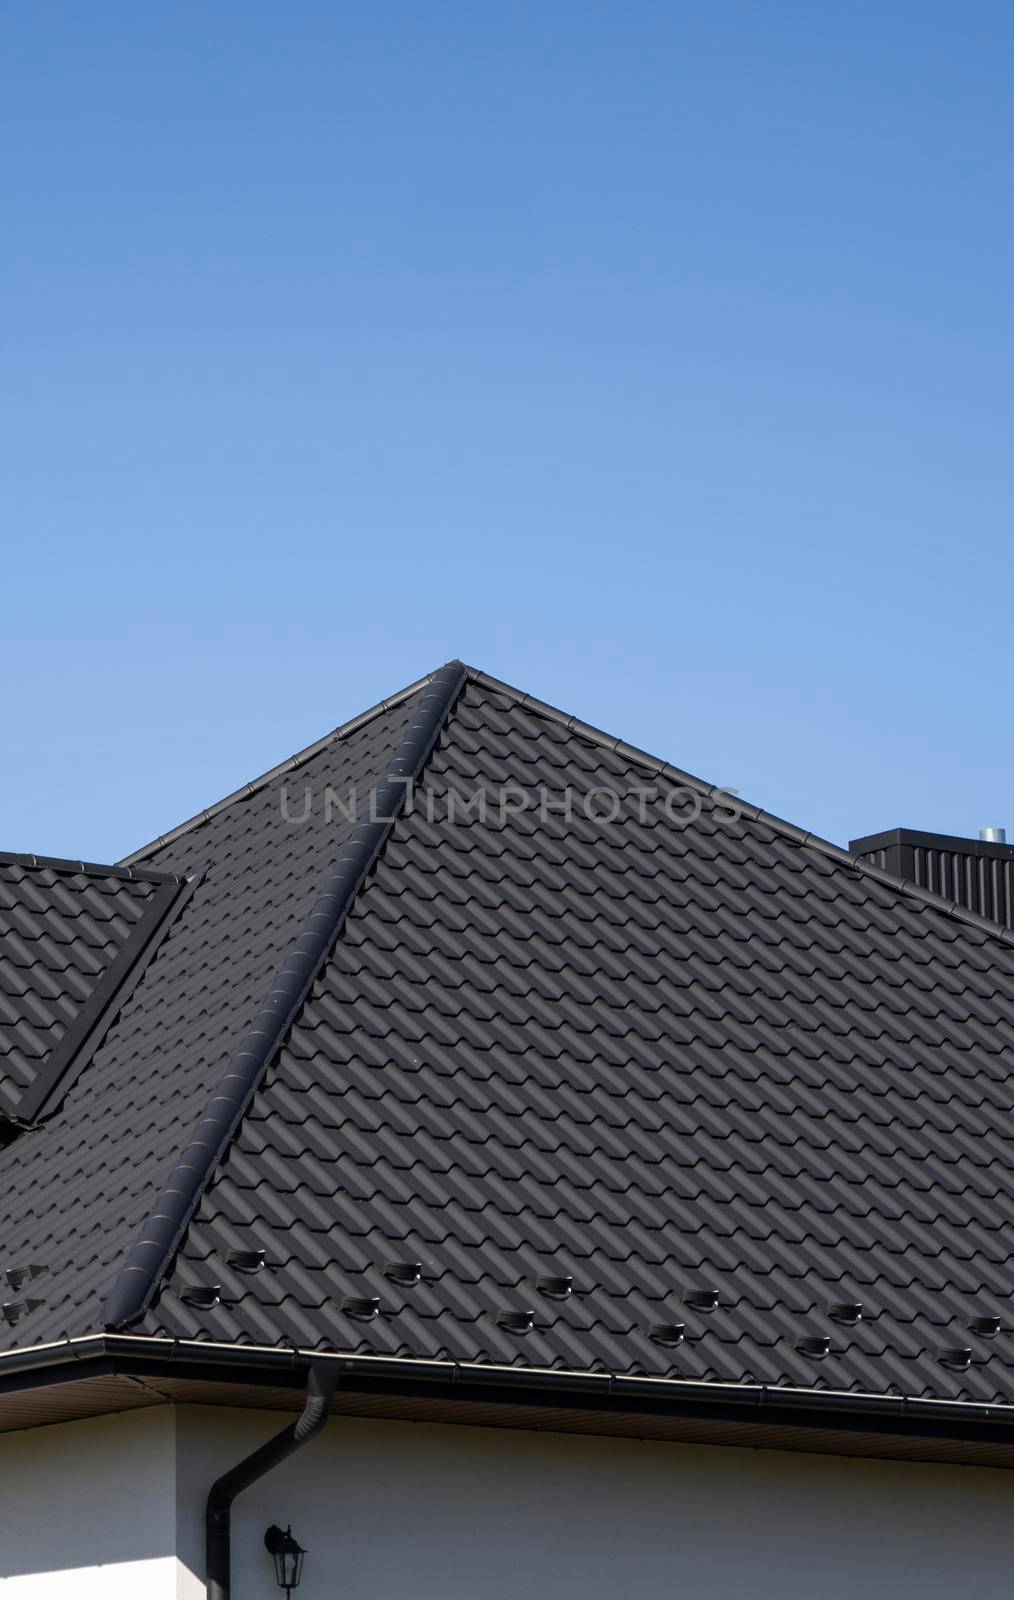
(656, 357)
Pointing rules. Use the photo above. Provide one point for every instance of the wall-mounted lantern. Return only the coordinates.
(288, 1555)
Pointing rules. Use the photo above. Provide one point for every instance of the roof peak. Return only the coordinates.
(598, 736)
(342, 731)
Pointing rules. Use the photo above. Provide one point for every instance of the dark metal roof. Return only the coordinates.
(139, 1279)
(718, 1074)
(74, 1195)
(67, 931)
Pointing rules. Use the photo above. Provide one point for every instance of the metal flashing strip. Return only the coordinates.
(70, 1055)
(138, 1279)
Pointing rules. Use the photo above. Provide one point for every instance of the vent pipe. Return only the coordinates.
(993, 835)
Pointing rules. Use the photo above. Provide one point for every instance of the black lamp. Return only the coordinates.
(288, 1554)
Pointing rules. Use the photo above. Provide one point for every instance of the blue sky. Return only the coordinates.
(654, 357)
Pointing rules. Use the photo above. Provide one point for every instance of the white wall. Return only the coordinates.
(87, 1510)
(114, 1510)
(396, 1511)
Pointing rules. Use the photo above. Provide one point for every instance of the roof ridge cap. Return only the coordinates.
(290, 764)
(595, 735)
(788, 830)
(86, 869)
(159, 1237)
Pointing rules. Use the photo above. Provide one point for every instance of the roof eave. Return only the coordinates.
(753, 1415)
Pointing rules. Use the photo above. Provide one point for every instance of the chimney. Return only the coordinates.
(977, 873)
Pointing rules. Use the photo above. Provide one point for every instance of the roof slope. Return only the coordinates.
(74, 1194)
(685, 1054)
(63, 924)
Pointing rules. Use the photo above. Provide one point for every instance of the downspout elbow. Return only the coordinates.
(320, 1386)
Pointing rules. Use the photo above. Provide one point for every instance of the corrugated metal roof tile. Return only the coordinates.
(645, 1053)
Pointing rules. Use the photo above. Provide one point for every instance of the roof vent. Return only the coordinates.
(988, 1327)
(702, 1299)
(993, 835)
(556, 1288)
(817, 1345)
(957, 1356)
(408, 1273)
(246, 1260)
(670, 1333)
(17, 1277)
(14, 1310)
(847, 1311)
(517, 1321)
(203, 1296)
(363, 1307)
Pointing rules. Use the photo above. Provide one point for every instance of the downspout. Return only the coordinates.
(320, 1387)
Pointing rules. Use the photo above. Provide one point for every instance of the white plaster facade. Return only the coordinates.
(88, 1509)
(399, 1511)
